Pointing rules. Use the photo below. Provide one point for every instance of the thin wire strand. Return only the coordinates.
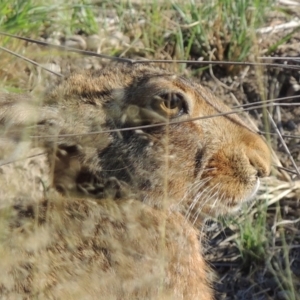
(283, 135)
(286, 169)
(70, 49)
(157, 124)
(284, 144)
(145, 61)
(30, 61)
(22, 158)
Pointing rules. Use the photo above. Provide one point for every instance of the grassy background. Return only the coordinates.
(208, 30)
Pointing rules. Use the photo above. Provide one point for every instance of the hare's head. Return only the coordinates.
(211, 164)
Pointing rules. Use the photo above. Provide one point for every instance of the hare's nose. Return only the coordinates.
(258, 153)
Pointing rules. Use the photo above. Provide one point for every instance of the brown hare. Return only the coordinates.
(103, 178)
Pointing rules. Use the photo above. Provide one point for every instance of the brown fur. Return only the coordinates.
(136, 239)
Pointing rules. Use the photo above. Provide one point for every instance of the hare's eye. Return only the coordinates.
(172, 104)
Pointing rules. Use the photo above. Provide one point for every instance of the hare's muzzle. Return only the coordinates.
(234, 169)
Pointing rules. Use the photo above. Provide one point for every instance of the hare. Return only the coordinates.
(104, 178)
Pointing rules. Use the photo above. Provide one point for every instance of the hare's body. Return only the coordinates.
(135, 240)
